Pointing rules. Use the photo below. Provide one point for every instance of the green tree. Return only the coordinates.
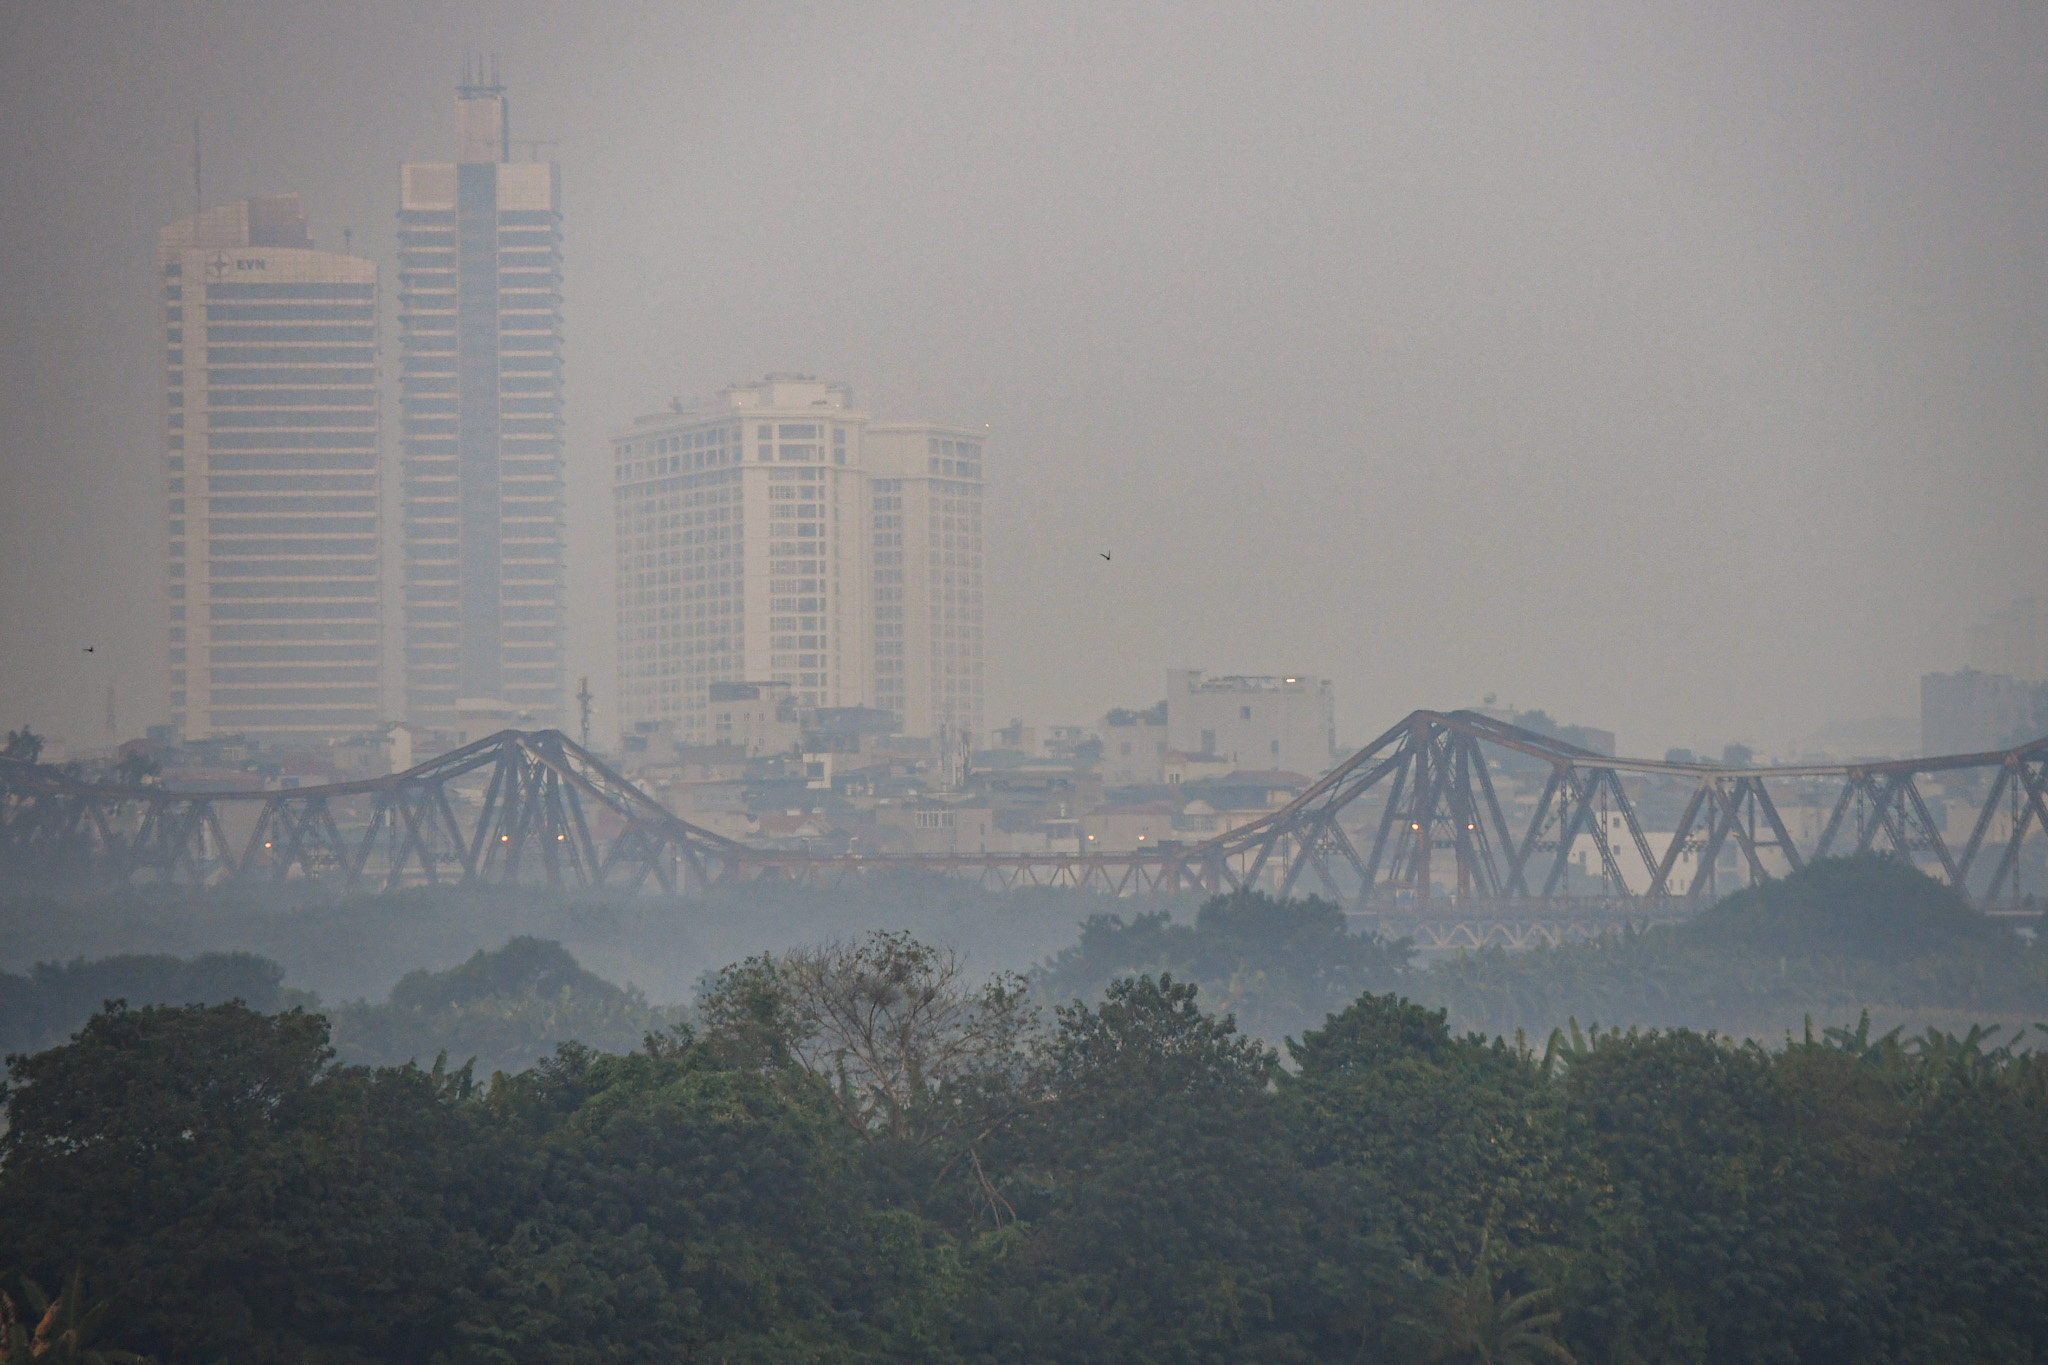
(506, 1009)
(1449, 1152)
(1478, 1326)
(1275, 965)
(1161, 1214)
(241, 1198)
(907, 1042)
(1841, 935)
(1729, 1237)
(1963, 1207)
(52, 999)
(683, 1208)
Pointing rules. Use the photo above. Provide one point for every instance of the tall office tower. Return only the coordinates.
(271, 462)
(926, 486)
(480, 393)
(742, 552)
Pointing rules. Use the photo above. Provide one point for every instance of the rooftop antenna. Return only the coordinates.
(198, 198)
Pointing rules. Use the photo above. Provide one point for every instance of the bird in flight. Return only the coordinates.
(1105, 554)
(88, 649)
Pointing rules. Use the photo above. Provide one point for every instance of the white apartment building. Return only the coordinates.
(926, 485)
(741, 552)
(270, 462)
(1257, 723)
(776, 535)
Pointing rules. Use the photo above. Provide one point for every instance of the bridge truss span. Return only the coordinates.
(1457, 807)
(1451, 826)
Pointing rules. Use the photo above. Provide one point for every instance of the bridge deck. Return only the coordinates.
(1411, 827)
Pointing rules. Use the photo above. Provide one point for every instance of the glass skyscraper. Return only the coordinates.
(271, 476)
(480, 396)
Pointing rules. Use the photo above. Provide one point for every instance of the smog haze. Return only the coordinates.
(1679, 370)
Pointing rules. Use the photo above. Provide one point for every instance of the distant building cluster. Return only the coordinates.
(772, 768)
(773, 538)
(770, 765)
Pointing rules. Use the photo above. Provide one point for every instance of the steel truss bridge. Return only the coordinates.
(1451, 827)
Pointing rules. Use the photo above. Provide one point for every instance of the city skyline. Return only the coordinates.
(1367, 431)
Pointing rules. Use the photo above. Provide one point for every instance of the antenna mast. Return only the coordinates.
(198, 197)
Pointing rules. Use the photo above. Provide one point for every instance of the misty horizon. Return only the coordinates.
(1679, 375)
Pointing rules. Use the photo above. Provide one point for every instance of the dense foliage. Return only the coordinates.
(860, 1154)
(1277, 965)
(44, 1005)
(503, 1010)
(1841, 936)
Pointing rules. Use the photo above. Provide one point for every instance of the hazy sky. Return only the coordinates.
(1676, 369)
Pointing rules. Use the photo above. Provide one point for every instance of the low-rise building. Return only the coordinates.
(1134, 747)
(941, 827)
(1273, 721)
(1124, 827)
(1180, 769)
(755, 717)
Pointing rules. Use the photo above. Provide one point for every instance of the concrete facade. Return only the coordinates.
(1135, 750)
(927, 484)
(776, 533)
(1286, 723)
(757, 718)
(271, 467)
(741, 553)
(480, 396)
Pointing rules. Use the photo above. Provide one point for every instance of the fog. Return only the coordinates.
(1679, 370)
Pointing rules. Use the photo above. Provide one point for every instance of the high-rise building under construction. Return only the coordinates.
(480, 400)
